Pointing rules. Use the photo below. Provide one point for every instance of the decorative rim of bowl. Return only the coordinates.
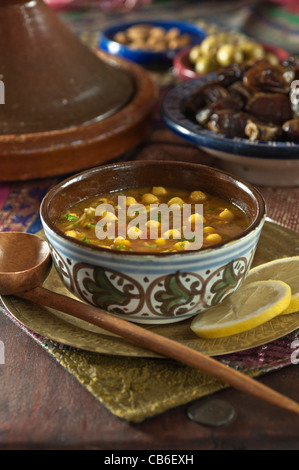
(244, 185)
(107, 43)
(174, 117)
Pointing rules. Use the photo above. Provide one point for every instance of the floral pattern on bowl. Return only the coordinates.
(152, 298)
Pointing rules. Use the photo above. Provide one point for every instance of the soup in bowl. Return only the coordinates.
(153, 242)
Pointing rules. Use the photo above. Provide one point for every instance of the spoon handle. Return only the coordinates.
(159, 344)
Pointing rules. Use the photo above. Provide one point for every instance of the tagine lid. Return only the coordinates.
(52, 80)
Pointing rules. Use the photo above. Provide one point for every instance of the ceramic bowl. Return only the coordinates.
(148, 58)
(137, 286)
(183, 68)
(262, 163)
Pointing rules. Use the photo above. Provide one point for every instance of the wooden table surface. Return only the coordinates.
(45, 407)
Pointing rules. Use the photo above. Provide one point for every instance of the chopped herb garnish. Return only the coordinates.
(71, 217)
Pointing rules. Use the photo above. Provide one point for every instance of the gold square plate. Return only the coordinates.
(276, 242)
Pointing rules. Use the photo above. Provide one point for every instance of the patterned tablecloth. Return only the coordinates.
(20, 201)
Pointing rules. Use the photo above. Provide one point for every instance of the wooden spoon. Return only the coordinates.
(25, 262)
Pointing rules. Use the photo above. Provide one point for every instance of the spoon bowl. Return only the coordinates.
(25, 263)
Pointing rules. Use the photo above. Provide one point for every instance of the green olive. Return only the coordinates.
(210, 43)
(229, 54)
(272, 58)
(195, 53)
(205, 64)
(252, 50)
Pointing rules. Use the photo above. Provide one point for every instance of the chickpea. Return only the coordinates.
(89, 210)
(72, 233)
(122, 241)
(226, 214)
(159, 191)
(177, 201)
(134, 232)
(214, 238)
(172, 233)
(182, 245)
(197, 196)
(196, 219)
(160, 241)
(152, 224)
(208, 229)
(130, 201)
(149, 198)
(109, 216)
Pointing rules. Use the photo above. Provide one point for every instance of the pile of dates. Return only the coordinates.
(257, 101)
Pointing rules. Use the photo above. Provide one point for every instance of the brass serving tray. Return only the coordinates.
(275, 242)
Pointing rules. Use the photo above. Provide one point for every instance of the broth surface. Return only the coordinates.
(157, 219)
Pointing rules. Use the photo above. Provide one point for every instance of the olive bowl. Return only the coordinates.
(147, 287)
(184, 69)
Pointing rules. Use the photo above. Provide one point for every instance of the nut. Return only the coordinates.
(155, 38)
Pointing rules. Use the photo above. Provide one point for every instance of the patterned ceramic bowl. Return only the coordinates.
(152, 288)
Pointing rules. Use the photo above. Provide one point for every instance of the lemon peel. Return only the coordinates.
(282, 269)
(250, 306)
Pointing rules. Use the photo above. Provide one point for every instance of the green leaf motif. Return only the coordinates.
(226, 284)
(104, 292)
(175, 295)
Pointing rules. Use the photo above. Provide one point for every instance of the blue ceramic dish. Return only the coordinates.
(259, 162)
(108, 44)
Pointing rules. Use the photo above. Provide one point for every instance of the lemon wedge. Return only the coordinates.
(250, 306)
(283, 269)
